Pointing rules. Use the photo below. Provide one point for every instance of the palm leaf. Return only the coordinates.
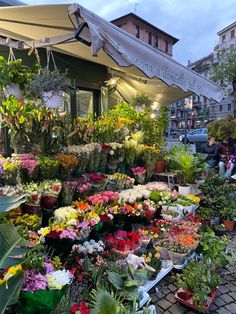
(13, 248)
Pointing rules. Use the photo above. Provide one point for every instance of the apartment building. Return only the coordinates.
(146, 32)
(203, 109)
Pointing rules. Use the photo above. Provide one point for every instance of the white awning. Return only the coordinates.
(164, 79)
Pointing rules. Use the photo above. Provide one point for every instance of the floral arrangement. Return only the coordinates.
(103, 198)
(8, 170)
(132, 195)
(31, 222)
(123, 242)
(157, 186)
(160, 197)
(150, 154)
(139, 174)
(95, 157)
(48, 167)
(8, 190)
(89, 247)
(28, 165)
(33, 193)
(82, 152)
(67, 161)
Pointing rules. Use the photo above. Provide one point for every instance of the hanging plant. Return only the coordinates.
(50, 85)
(13, 76)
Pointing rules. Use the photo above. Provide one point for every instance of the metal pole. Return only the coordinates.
(185, 126)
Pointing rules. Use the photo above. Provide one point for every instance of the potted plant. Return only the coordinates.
(188, 164)
(198, 285)
(205, 214)
(228, 213)
(49, 85)
(160, 163)
(13, 76)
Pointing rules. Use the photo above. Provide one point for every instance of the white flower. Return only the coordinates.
(100, 249)
(92, 241)
(111, 152)
(86, 243)
(58, 279)
(72, 222)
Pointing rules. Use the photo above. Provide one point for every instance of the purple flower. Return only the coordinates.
(68, 234)
(34, 281)
(48, 267)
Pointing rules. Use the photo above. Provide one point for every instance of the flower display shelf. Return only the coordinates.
(185, 297)
(145, 298)
(162, 273)
(180, 267)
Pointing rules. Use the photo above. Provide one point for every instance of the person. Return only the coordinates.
(227, 155)
(210, 149)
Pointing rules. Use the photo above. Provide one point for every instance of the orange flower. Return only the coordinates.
(129, 207)
(81, 205)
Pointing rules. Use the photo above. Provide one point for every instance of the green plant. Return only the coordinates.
(221, 128)
(13, 72)
(200, 277)
(213, 247)
(228, 213)
(205, 213)
(26, 122)
(183, 161)
(46, 81)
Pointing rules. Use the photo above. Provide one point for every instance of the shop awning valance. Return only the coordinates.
(165, 79)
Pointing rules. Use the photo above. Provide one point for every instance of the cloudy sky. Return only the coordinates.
(194, 22)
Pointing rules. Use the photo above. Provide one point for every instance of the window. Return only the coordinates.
(229, 107)
(166, 46)
(84, 102)
(150, 38)
(232, 34)
(221, 107)
(137, 31)
(156, 43)
(223, 38)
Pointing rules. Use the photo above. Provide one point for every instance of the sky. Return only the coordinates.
(194, 22)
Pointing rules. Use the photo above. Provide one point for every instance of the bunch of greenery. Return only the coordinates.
(188, 164)
(212, 247)
(228, 213)
(48, 167)
(46, 81)
(205, 213)
(26, 122)
(82, 130)
(13, 72)
(221, 128)
(200, 277)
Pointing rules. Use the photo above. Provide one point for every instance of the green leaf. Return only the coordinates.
(10, 293)
(116, 280)
(13, 248)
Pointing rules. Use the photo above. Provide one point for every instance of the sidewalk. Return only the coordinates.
(225, 303)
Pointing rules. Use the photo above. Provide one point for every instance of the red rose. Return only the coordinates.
(83, 308)
(75, 308)
(34, 197)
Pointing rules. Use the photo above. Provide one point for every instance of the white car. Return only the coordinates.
(198, 135)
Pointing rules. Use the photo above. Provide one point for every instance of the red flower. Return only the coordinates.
(75, 308)
(53, 234)
(83, 308)
(34, 197)
(80, 277)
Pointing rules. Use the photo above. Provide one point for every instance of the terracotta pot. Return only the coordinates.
(160, 166)
(229, 225)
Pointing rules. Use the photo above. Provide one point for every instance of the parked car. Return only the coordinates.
(198, 135)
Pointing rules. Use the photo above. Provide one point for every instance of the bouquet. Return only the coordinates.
(139, 174)
(95, 157)
(82, 152)
(150, 154)
(48, 168)
(67, 164)
(123, 241)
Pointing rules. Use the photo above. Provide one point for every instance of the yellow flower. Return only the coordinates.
(44, 231)
(194, 198)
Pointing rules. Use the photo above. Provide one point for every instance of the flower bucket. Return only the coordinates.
(49, 201)
(52, 100)
(184, 190)
(30, 209)
(177, 258)
(164, 253)
(12, 90)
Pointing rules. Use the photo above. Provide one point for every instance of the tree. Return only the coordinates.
(225, 71)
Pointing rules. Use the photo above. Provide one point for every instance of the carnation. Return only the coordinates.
(58, 279)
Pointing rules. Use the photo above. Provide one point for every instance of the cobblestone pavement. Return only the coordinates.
(225, 303)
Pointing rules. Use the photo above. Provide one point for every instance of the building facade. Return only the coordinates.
(146, 32)
(203, 109)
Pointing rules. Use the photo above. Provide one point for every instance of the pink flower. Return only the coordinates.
(68, 234)
(34, 281)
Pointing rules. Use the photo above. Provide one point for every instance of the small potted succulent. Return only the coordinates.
(49, 85)
(228, 214)
(13, 76)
